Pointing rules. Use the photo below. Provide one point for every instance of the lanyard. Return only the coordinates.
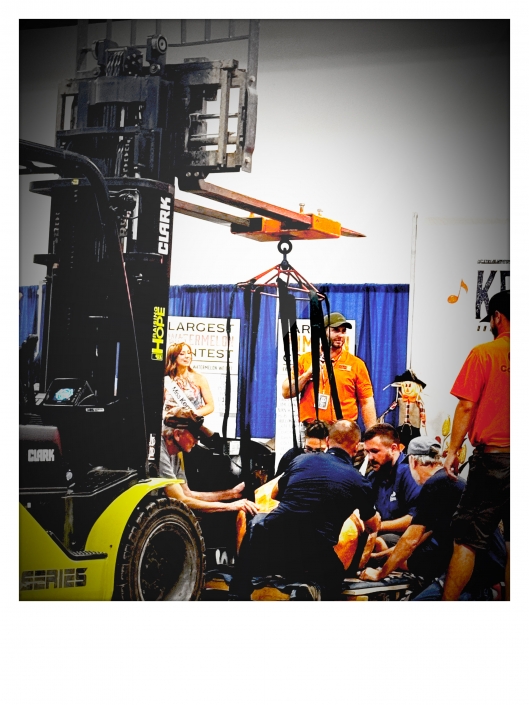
(324, 378)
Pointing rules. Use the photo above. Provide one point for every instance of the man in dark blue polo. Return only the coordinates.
(396, 491)
(296, 540)
(429, 556)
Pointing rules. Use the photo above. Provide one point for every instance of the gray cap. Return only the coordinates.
(424, 445)
(335, 320)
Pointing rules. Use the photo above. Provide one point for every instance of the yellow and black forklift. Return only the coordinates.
(95, 520)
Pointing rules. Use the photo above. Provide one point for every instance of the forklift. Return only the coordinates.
(95, 520)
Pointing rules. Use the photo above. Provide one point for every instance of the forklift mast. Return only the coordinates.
(128, 127)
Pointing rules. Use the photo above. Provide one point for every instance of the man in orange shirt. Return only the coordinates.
(352, 381)
(483, 390)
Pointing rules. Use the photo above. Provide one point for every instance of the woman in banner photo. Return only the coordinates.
(183, 387)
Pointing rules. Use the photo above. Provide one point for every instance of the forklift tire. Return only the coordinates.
(161, 555)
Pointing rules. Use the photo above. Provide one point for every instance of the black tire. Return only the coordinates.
(161, 555)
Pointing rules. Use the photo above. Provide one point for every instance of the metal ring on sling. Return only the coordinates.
(284, 246)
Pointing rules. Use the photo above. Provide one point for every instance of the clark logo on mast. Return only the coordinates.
(165, 226)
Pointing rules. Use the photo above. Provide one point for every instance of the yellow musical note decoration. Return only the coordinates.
(452, 299)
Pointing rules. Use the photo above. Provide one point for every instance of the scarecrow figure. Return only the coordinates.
(412, 414)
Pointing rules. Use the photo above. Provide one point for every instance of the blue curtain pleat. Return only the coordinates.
(383, 341)
(28, 312)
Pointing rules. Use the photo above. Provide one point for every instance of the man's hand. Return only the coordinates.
(451, 465)
(288, 387)
(379, 555)
(463, 416)
(303, 379)
(246, 505)
(371, 574)
(236, 491)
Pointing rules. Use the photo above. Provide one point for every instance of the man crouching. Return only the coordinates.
(296, 539)
(180, 435)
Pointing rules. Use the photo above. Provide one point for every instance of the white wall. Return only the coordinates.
(370, 129)
(370, 121)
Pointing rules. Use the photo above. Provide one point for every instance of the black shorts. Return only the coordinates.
(485, 500)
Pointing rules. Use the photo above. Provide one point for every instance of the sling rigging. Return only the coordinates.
(287, 285)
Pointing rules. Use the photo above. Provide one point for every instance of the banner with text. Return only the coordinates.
(208, 341)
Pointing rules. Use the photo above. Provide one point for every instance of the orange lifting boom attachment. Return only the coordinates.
(272, 223)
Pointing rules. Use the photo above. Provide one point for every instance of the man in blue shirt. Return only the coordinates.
(316, 495)
(426, 546)
(395, 489)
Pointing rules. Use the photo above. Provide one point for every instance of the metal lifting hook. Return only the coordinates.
(284, 246)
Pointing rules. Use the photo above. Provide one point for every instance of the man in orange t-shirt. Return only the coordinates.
(352, 381)
(483, 390)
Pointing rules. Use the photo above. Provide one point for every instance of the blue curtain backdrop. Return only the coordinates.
(381, 315)
(380, 312)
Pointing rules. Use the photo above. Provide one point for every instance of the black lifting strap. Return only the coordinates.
(252, 306)
(287, 314)
(315, 337)
(227, 394)
(317, 334)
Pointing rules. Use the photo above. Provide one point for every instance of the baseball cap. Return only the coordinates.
(335, 320)
(499, 302)
(424, 445)
(185, 419)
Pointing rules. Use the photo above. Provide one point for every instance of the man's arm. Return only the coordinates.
(463, 416)
(373, 526)
(193, 500)
(407, 544)
(289, 390)
(368, 411)
(400, 524)
(234, 493)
